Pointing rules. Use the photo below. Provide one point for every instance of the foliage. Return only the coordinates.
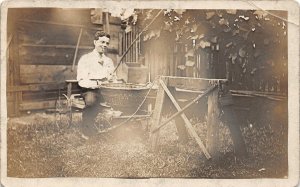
(256, 40)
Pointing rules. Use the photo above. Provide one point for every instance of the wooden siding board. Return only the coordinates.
(46, 73)
(36, 105)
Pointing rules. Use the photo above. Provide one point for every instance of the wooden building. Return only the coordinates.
(43, 53)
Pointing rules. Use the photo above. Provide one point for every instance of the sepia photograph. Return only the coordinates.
(150, 93)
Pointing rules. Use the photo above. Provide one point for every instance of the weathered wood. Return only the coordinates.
(195, 84)
(42, 95)
(57, 23)
(107, 22)
(49, 56)
(157, 116)
(45, 74)
(35, 87)
(37, 105)
(179, 122)
(136, 75)
(114, 21)
(110, 49)
(213, 125)
(188, 124)
(16, 74)
(210, 89)
(259, 93)
(10, 108)
(76, 50)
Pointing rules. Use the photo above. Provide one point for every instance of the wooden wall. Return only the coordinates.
(159, 56)
(42, 50)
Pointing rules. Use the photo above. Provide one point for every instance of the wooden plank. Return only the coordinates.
(179, 123)
(58, 23)
(213, 125)
(45, 74)
(114, 21)
(37, 105)
(248, 92)
(49, 55)
(51, 35)
(76, 50)
(189, 83)
(11, 109)
(160, 97)
(35, 87)
(56, 50)
(16, 74)
(181, 111)
(188, 124)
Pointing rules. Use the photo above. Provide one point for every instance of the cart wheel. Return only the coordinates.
(102, 122)
(63, 107)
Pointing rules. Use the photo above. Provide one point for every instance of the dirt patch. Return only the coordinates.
(41, 145)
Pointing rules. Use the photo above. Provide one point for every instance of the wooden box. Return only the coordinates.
(133, 73)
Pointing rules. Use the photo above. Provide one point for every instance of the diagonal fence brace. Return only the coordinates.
(210, 89)
(188, 124)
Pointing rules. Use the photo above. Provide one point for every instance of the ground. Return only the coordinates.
(41, 145)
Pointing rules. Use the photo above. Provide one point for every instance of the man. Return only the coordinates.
(93, 69)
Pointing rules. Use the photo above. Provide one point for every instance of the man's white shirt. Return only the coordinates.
(93, 66)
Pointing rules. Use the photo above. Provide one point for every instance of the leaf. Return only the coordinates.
(231, 11)
(134, 20)
(194, 37)
(187, 21)
(204, 44)
(223, 21)
(189, 63)
(167, 11)
(176, 18)
(128, 29)
(181, 67)
(260, 14)
(194, 28)
(229, 44)
(179, 11)
(127, 13)
(242, 52)
(214, 39)
(262, 169)
(246, 18)
(209, 15)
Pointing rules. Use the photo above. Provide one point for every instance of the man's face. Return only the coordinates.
(101, 44)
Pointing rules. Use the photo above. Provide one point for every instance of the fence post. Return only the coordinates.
(213, 125)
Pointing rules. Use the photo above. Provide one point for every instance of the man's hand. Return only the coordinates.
(91, 84)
